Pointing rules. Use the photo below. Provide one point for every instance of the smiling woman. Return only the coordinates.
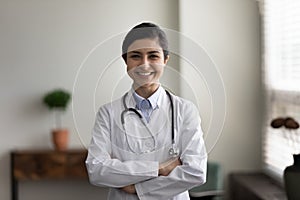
(158, 152)
(145, 65)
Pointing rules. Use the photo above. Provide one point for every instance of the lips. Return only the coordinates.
(145, 73)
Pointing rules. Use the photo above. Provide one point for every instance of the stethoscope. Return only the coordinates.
(173, 151)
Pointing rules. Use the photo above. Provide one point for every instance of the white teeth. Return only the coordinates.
(144, 73)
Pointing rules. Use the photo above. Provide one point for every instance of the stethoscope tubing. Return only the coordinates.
(126, 109)
(173, 117)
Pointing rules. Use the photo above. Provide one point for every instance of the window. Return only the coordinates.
(281, 69)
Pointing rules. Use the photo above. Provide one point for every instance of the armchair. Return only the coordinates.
(213, 188)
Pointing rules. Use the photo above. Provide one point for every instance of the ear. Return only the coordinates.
(166, 59)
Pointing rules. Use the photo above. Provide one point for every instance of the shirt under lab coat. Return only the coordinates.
(117, 158)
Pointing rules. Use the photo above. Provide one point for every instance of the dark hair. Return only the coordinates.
(142, 31)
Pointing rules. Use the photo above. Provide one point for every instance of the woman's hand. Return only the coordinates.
(167, 167)
(129, 189)
(164, 170)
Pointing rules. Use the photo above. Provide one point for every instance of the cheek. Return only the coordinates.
(130, 70)
(130, 66)
(159, 67)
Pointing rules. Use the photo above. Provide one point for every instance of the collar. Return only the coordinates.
(153, 98)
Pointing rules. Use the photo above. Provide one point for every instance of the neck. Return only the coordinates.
(146, 91)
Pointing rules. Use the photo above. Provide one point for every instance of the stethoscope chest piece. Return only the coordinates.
(173, 151)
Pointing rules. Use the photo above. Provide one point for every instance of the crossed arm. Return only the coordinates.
(164, 170)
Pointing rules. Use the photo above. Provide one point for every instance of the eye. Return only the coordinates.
(153, 56)
(135, 56)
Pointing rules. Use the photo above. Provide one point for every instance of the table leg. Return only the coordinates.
(14, 182)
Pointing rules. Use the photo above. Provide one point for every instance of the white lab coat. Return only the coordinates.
(111, 163)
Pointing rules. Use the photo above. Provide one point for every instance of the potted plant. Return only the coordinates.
(57, 101)
(291, 173)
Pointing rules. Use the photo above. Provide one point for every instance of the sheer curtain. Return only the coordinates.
(281, 72)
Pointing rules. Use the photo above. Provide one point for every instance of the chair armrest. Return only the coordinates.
(207, 193)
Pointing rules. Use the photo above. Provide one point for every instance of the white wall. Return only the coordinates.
(42, 44)
(230, 32)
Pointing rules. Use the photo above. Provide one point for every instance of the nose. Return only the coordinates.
(145, 61)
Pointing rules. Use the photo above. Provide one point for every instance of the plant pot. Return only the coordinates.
(292, 179)
(60, 139)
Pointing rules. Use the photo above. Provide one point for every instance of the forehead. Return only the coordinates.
(145, 44)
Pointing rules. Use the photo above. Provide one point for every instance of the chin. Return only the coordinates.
(146, 85)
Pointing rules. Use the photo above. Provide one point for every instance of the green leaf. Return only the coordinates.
(57, 99)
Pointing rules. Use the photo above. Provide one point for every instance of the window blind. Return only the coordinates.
(281, 70)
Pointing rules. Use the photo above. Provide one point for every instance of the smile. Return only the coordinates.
(145, 73)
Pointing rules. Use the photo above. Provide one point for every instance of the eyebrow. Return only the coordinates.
(150, 52)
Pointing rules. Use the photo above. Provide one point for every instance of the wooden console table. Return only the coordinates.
(46, 165)
(255, 186)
